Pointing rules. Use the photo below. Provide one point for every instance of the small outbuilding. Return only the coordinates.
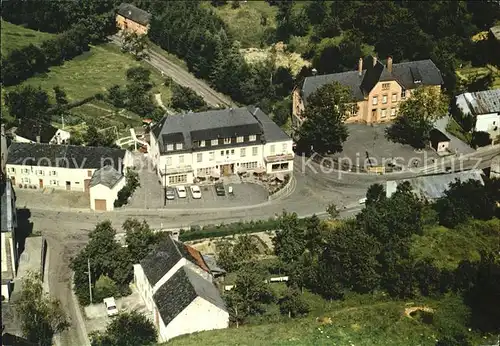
(104, 186)
(133, 19)
(439, 141)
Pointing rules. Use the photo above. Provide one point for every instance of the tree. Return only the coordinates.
(289, 242)
(126, 329)
(28, 103)
(480, 139)
(375, 194)
(139, 238)
(416, 117)
(282, 112)
(94, 138)
(116, 96)
(186, 99)
(314, 235)
(60, 95)
(332, 210)
(104, 288)
(323, 129)
(232, 256)
(41, 316)
(292, 304)
(135, 44)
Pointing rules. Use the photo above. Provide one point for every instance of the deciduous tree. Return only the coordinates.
(289, 242)
(292, 304)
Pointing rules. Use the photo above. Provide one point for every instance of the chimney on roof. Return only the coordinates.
(360, 66)
(129, 13)
(389, 64)
(38, 139)
(374, 60)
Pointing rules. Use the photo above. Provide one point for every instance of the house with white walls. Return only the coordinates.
(30, 131)
(8, 237)
(104, 186)
(177, 287)
(485, 107)
(64, 167)
(219, 142)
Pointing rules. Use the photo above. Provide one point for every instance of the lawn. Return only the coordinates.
(469, 74)
(16, 36)
(247, 23)
(456, 130)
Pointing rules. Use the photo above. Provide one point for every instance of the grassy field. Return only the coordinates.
(471, 73)
(456, 130)
(15, 36)
(246, 23)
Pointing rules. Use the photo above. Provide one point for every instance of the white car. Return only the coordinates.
(111, 308)
(195, 191)
(181, 191)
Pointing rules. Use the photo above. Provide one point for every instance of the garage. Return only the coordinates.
(100, 204)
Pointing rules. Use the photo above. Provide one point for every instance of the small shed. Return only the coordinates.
(439, 141)
(104, 186)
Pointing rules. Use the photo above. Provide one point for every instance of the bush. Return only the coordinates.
(186, 99)
(480, 139)
(104, 288)
(127, 191)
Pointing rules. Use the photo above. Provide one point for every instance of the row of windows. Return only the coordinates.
(177, 179)
(383, 112)
(385, 97)
(28, 181)
(211, 154)
(213, 142)
(249, 165)
(40, 172)
(279, 166)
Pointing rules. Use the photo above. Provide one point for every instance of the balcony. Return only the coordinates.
(278, 158)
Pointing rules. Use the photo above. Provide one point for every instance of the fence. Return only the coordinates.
(284, 190)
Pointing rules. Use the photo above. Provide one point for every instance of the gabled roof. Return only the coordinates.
(107, 176)
(165, 256)
(134, 13)
(405, 73)
(272, 132)
(66, 156)
(31, 129)
(480, 102)
(180, 290)
(437, 136)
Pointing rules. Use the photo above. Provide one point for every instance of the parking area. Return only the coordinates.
(369, 140)
(97, 319)
(150, 195)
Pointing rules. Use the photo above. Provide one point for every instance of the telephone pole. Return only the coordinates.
(62, 120)
(90, 279)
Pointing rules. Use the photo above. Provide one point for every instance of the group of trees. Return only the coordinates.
(184, 98)
(126, 192)
(374, 252)
(111, 268)
(79, 24)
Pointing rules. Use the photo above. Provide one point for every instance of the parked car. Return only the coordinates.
(170, 193)
(181, 191)
(111, 308)
(219, 189)
(195, 191)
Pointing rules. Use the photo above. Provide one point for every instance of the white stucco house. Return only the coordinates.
(495, 167)
(104, 186)
(176, 286)
(36, 132)
(8, 237)
(64, 167)
(485, 107)
(219, 142)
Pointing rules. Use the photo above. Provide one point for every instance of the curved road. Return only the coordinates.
(67, 230)
(182, 77)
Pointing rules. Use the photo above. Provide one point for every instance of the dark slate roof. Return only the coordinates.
(180, 290)
(31, 129)
(69, 156)
(134, 13)
(107, 176)
(272, 132)
(7, 206)
(437, 136)
(405, 73)
(212, 124)
(165, 256)
(14, 340)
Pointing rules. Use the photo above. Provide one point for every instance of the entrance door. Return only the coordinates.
(100, 204)
(374, 114)
(40, 181)
(13, 180)
(68, 185)
(227, 169)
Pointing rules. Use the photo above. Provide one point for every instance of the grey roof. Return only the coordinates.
(212, 264)
(405, 73)
(495, 31)
(68, 156)
(434, 186)
(480, 102)
(134, 13)
(31, 129)
(180, 290)
(165, 256)
(437, 136)
(209, 125)
(8, 206)
(272, 132)
(107, 176)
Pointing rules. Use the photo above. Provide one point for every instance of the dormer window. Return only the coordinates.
(252, 138)
(239, 139)
(403, 93)
(178, 146)
(227, 140)
(214, 142)
(170, 147)
(202, 144)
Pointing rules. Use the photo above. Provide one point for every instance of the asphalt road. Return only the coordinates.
(67, 231)
(182, 77)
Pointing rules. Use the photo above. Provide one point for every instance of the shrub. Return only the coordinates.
(480, 139)
(127, 191)
(104, 288)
